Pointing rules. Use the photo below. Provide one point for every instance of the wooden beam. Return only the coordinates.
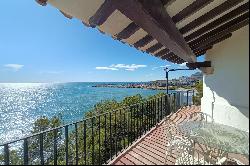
(198, 64)
(210, 15)
(215, 41)
(220, 29)
(151, 16)
(243, 8)
(102, 14)
(200, 53)
(66, 15)
(144, 41)
(229, 27)
(167, 2)
(42, 2)
(87, 25)
(189, 10)
(174, 59)
(154, 48)
(203, 49)
(128, 31)
(162, 52)
(167, 56)
(181, 61)
(170, 54)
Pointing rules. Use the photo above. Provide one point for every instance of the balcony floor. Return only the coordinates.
(150, 149)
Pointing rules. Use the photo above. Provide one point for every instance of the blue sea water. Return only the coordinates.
(22, 103)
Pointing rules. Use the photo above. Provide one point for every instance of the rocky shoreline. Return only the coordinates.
(141, 86)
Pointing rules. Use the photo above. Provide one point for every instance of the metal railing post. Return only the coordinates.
(55, 146)
(6, 154)
(25, 154)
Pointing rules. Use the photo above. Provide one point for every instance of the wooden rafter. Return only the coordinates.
(144, 41)
(222, 33)
(168, 56)
(189, 10)
(243, 8)
(128, 31)
(200, 53)
(220, 29)
(167, 2)
(209, 15)
(154, 48)
(203, 49)
(153, 18)
(66, 15)
(198, 64)
(42, 2)
(162, 52)
(213, 42)
(102, 14)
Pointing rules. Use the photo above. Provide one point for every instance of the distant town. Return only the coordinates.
(185, 82)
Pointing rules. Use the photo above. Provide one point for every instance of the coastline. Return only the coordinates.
(139, 86)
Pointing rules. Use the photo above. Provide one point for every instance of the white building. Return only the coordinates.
(226, 86)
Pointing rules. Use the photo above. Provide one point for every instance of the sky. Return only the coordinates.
(39, 44)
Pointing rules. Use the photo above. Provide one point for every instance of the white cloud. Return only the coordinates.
(154, 68)
(128, 67)
(165, 66)
(131, 67)
(105, 68)
(15, 67)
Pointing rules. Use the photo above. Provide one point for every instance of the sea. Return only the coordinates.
(22, 103)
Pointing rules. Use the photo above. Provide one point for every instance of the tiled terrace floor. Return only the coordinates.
(150, 149)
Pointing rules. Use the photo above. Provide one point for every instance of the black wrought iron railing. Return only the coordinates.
(95, 140)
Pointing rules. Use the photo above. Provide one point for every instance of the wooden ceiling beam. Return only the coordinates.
(198, 64)
(152, 17)
(167, 2)
(128, 31)
(213, 42)
(167, 56)
(203, 49)
(162, 52)
(144, 41)
(220, 29)
(210, 15)
(181, 61)
(243, 8)
(66, 15)
(102, 14)
(42, 2)
(154, 48)
(200, 53)
(189, 10)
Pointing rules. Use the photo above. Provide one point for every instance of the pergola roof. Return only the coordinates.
(174, 30)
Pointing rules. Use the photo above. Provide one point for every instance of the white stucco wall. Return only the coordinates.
(226, 91)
